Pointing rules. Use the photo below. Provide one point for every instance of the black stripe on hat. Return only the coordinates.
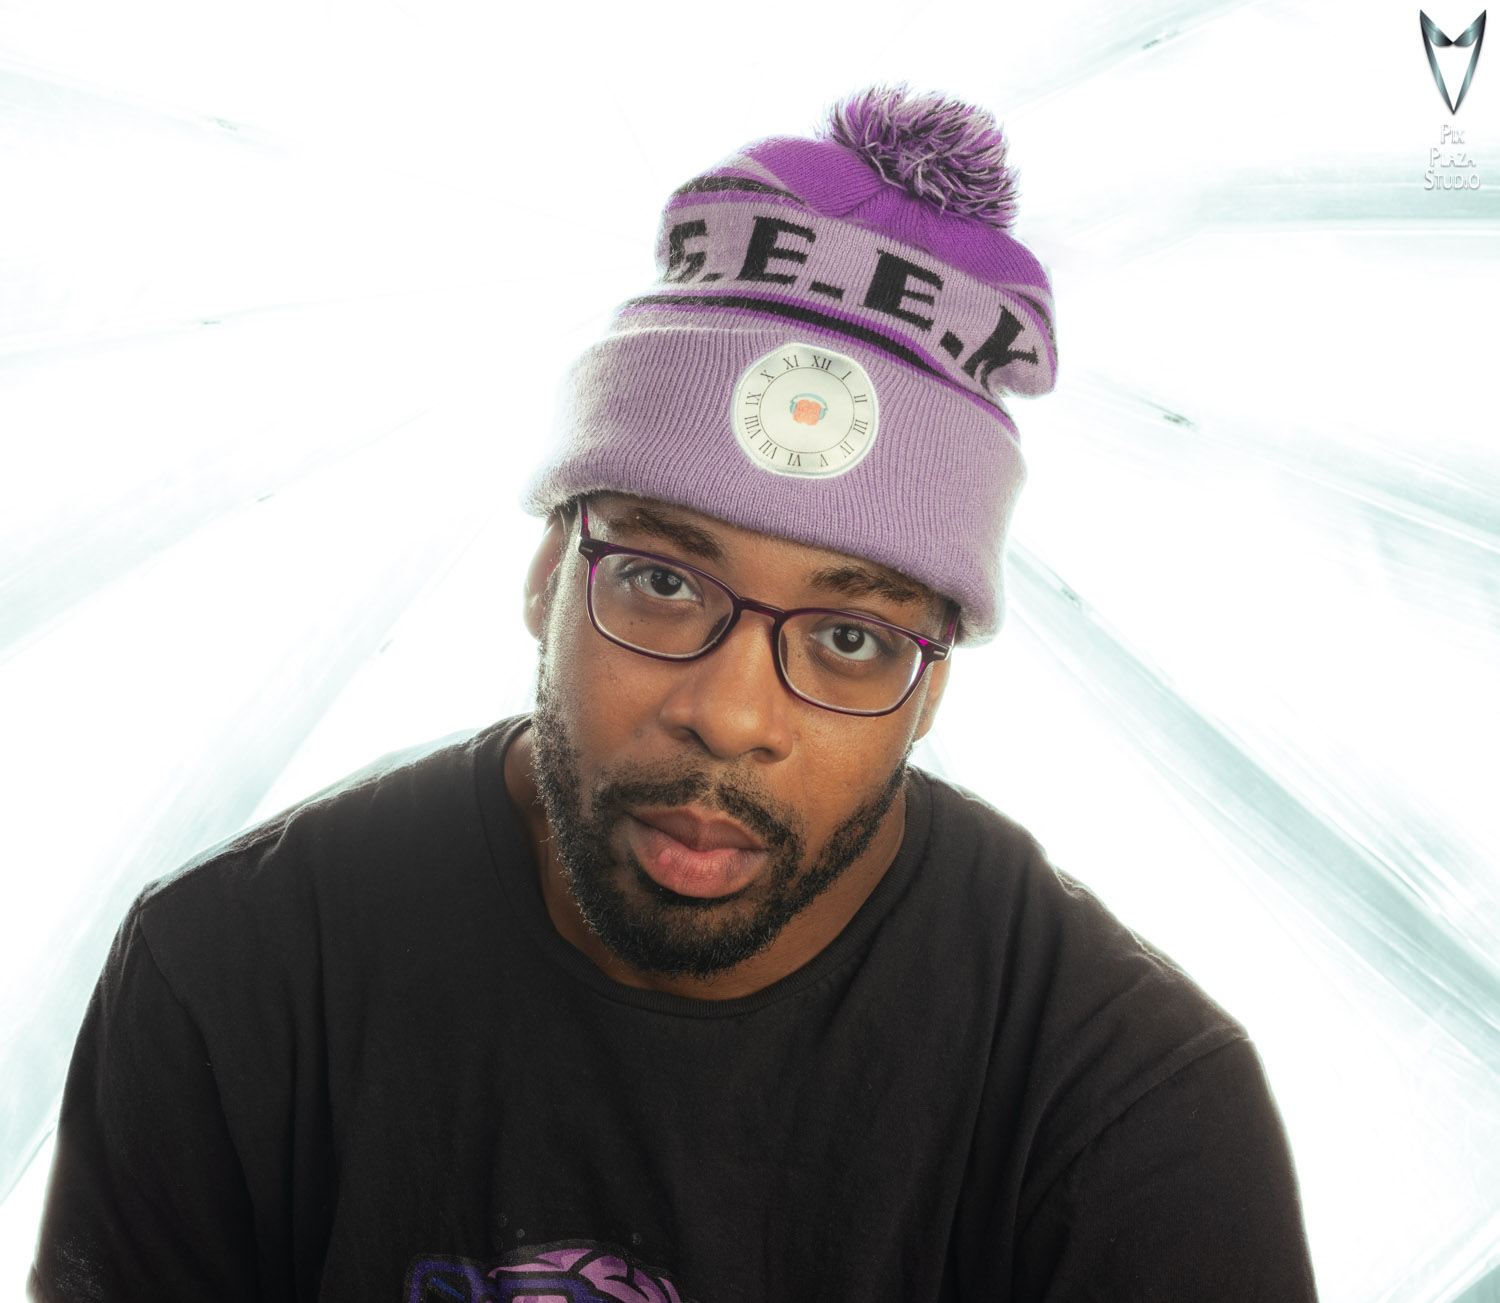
(1042, 315)
(807, 316)
(707, 184)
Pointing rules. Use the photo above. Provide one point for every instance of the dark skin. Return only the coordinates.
(728, 712)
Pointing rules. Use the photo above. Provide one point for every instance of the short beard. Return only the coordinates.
(666, 934)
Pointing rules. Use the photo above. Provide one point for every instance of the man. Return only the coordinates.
(687, 987)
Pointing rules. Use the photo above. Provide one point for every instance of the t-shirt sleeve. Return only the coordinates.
(146, 1198)
(1189, 1194)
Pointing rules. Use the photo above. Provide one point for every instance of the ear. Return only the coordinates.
(937, 683)
(548, 557)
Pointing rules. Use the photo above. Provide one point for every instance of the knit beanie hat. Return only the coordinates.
(825, 354)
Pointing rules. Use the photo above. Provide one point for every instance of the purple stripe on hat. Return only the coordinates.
(840, 184)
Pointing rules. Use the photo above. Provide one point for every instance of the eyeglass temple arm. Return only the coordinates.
(939, 651)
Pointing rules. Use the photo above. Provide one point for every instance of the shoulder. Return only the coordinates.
(348, 857)
(1128, 1143)
(998, 873)
(1089, 1016)
(1061, 944)
(1189, 1193)
(371, 804)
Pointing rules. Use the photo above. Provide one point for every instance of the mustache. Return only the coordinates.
(775, 833)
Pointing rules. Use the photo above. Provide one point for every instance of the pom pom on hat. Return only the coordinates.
(944, 151)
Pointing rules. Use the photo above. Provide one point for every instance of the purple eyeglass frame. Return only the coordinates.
(595, 550)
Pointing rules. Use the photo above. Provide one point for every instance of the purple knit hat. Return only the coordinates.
(824, 355)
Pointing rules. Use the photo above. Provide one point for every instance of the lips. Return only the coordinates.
(693, 854)
(699, 833)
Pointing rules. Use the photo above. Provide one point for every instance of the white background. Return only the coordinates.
(285, 293)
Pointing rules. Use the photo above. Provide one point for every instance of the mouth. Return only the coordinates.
(692, 853)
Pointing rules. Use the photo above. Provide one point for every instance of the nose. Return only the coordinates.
(732, 701)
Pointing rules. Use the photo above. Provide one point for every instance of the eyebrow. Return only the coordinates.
(643, 520)
(858, 581)
(847, 580)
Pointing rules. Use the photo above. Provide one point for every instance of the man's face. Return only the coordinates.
(699, 808)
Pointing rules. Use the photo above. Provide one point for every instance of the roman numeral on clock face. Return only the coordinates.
(803, 409)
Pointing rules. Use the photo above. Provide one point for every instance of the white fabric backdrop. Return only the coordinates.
(285, 291)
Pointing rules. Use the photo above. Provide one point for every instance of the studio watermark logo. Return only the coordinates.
(1435, 39)
(1450, 166)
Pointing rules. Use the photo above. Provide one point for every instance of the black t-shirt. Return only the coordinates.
(347, 1056)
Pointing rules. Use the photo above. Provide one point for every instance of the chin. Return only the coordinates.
(653, 929)
(658, 932)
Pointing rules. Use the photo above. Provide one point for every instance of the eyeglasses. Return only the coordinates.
(663, 608)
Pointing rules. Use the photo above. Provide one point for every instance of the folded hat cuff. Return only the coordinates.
(647, 411)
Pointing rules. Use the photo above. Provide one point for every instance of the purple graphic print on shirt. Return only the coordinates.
(578, 1271)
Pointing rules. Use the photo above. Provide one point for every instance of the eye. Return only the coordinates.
(652, 579)
(852, 642)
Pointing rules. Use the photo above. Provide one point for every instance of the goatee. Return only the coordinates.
(655, 930)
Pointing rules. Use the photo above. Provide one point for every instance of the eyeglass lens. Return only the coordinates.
(831, 657)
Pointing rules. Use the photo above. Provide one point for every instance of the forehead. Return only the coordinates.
(663, 526)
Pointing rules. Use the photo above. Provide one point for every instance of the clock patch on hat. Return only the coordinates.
(803, 410)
